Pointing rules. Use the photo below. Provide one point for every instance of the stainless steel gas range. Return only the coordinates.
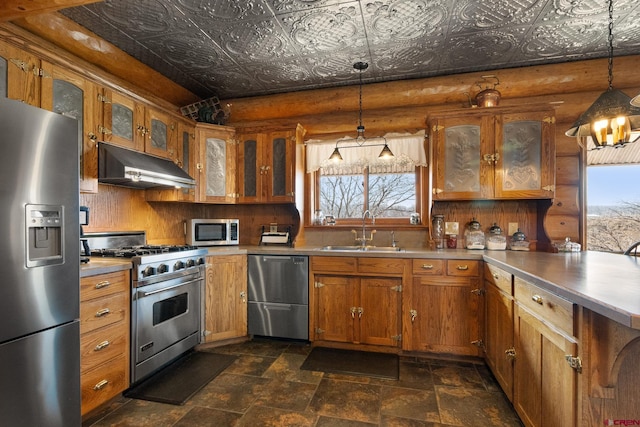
(166, 301)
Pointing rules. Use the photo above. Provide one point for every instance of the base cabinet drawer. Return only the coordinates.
(99, 346)
(103, 383)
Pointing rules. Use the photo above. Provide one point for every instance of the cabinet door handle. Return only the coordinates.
(103, 312)
(104, 344)
(102, 284)
(427, 266)
(462, 267)
(99, 386)
(537, 298)
(414, 314)
(353, 312)
(496, 276)
(510, 353)
(360, 311)
(243, 296)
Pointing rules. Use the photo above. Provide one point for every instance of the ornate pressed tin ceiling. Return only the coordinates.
(236, 48)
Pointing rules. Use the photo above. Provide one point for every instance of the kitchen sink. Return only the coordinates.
(360, 248)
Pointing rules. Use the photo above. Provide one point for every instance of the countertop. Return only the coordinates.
(608, 284)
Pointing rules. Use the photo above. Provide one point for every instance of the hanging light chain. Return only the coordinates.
(610, 44)
(360, 114)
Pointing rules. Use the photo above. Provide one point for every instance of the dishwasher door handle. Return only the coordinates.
(281, 307)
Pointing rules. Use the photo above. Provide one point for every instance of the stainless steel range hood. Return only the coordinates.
(128, 168)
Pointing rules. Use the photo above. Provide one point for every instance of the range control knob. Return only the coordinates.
(200, 261)
(149, 271)
(179, 265)
(191, 262)
(163, 268)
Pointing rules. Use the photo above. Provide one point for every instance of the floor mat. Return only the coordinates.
(180, 380)
(349, 362)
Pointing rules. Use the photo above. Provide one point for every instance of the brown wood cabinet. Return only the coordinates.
(493, 153)
(266, 167)
(545, 384)
(225, 298)
(216, 178)
(357, 300)
(104, 337)
(72, 95)
(498, 334)
(442, 312)
(188, 158)
(21, 80)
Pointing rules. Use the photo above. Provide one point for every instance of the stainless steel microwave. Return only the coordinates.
(213, 232)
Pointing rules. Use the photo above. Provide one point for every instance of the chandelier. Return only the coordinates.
(611, 118)
(360, 139)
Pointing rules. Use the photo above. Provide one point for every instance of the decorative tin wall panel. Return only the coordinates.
(229, 48)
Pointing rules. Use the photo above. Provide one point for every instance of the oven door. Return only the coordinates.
(165, 313)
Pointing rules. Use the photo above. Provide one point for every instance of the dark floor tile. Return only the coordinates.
(257, 347)
(490, 382)
(230, 392)
(264, 416)
(287, 367)
(409, 403)
(338, 422)
(471, 407)
(206, 417)
(294, 396)
(457, 376)
(415, 375)
(142, 413)
(389, 421)
(250, 365)
(346, 399)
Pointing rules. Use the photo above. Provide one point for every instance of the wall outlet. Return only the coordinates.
(451, 228)
(513, 227)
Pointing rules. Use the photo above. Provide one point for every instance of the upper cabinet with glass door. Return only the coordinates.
(266, 167)
(133, 125)
(493, 153)
(216, 178)
(69, 94)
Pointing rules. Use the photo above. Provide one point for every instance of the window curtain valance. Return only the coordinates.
(408, 150)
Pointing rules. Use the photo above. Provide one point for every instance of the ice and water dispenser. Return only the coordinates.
(45, 235)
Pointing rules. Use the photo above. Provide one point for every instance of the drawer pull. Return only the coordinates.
(104, 344)
(102, 384)
(427, 266)
(462, 267)
(103, 312)
(496, 276)
(103, 284)
(537, 298)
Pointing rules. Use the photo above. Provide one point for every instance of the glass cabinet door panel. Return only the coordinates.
(159, 134)
(279, 167)
(3, 77)
(250, 151)
(122, 121)
(186, 152)
(521, 146)
(216, 151)
(68, 100)
(462, 159)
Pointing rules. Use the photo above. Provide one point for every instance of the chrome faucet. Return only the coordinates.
(364, 239)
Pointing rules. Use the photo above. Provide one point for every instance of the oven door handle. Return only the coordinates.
(168, 288)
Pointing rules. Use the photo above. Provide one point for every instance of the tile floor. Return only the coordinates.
(265, 387)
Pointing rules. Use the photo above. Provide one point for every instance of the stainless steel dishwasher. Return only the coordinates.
(278, 296)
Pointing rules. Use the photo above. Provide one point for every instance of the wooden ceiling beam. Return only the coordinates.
(14, 9)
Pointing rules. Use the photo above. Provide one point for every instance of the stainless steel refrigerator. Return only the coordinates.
(39, 283)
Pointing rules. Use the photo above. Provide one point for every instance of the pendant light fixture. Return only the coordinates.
(360, 138)
(611, 118)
